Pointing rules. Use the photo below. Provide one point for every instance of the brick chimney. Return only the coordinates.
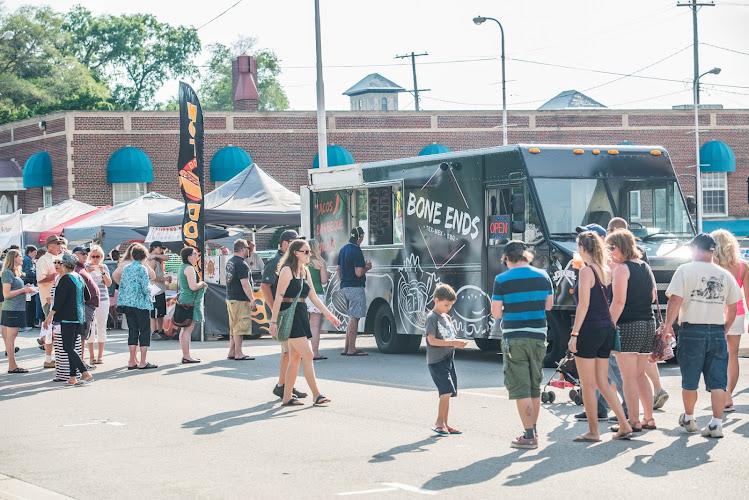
(244, 83)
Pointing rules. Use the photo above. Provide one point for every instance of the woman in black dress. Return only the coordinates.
(292, 276)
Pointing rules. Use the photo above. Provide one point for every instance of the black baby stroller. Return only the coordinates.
(564, 377)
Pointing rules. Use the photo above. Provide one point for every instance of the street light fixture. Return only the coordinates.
(480, 20)
(696, 89)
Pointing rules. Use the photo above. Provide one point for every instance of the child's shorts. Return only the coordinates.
(444, 376)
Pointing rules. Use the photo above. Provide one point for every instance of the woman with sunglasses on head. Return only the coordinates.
(191, 291)
(14, 306)
(100, 274)
(593, 335)
(631, 310)
(318, 271)
(294, 280)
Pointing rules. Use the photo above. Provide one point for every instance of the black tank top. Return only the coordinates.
(598, 315)
(639, 293)
(293, 288)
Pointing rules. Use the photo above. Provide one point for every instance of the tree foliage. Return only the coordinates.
(216, 91)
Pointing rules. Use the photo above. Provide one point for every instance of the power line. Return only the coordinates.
(723, 48)
(224, 12)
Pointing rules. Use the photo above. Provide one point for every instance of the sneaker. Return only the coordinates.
(713, 431)
(158, 336)
(690, 425)
(660, 399)
(584, 417)
(298, 394)
(278, 390)
(523, 443)
(49, 364)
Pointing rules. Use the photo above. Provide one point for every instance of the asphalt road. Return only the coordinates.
(214, 430)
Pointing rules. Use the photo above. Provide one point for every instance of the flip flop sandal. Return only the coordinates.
(148, 366)
(453, 430)
(321, 400)
(135, 367)
(729, 409)
(319, 358)
(358, 353)
(647, 426)
(244, 358)
(293, 402)
(15, 350)
(441, 431)
(623, 437)
(583, 439)
(189, 361)
(86, 381)
(615, 428)
(68, 384)
(18, 370)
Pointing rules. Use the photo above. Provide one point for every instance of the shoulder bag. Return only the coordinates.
(286, 317)
(183, 314)
(661, 350)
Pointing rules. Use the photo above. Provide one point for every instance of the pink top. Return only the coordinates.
(740, 306)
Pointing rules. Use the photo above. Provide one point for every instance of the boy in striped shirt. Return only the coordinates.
(520, 298)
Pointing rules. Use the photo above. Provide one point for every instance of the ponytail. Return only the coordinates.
(592, 244)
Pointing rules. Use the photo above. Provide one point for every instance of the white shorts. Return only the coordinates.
(99, 325)
(738, 327)
(311, 307)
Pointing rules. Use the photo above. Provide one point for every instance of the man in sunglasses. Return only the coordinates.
(45, 278)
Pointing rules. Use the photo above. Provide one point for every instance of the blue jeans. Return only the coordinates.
(703, 351)
(616, 377)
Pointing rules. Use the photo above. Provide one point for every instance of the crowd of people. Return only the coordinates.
(612, 338)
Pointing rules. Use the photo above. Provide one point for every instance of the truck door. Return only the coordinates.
(499, 226)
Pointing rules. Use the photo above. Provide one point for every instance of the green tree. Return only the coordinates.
(216, 90)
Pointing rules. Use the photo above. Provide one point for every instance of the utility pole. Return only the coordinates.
(413, 66)
(694, 5)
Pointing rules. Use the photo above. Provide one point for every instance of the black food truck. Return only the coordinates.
(447, 217)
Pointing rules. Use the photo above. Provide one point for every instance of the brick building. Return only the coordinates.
(80, 145)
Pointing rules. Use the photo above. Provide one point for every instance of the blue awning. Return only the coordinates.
(434, 149)
(129, 165)
(37, 171)
(739, 228)
(337, 156)
(717, 156)
(228, 162)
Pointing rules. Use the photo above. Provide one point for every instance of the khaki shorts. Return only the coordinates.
(240, 317)
(523, 360)
(284, 347)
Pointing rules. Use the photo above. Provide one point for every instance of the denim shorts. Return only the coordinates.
(444, 376)
(702, 350)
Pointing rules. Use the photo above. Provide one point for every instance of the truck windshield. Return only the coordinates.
(652, 207)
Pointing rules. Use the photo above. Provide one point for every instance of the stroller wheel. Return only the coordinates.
(573, 393)
(551, 397)
(578, 399)
(544, 397)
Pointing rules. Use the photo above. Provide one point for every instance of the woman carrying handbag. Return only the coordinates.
(189, 308)
(290, 317)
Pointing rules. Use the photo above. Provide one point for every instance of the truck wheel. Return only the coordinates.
(386, 336)
(558, 337)
(488, 344)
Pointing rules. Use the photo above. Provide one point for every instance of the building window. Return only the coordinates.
(634, 206)
(384, 103)
(47, 196)
(219, 183)
(126, 191)
(714, 194)
(360, 105)
(6, 205)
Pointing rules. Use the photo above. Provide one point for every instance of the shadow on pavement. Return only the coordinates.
(675, 457)
(213, 424)
(477, 472)
(389, 455)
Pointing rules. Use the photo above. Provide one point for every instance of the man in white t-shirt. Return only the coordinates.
(704, 295)
(45, 278)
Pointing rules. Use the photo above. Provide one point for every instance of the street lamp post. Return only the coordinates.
(480, 20)
(696, 95)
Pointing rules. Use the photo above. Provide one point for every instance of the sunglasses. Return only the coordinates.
(96, 256)
(305, 252)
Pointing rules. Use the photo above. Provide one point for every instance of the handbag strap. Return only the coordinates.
(600, 284)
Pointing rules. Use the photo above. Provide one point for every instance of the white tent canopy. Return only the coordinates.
(43, 220)
(117, 224)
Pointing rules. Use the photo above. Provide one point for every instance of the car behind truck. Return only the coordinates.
(447, 217)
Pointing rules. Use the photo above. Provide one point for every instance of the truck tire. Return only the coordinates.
(488, 344)
(558, 337)
(388, 341)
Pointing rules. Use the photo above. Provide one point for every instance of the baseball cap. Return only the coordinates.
(290, 235)
(596, 228)
(80, 249)
(52, 238)
(356, 233)
(703, 241)
(69, 260)
(156, 244)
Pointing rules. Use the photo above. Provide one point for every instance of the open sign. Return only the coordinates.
(499, 228)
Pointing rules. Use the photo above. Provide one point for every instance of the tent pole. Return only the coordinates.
(254, 231)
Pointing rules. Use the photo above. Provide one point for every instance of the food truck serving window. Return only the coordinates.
(379, 212)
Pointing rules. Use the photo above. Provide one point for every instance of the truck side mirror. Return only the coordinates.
(517, 201)
(518, 226)
(691, 205)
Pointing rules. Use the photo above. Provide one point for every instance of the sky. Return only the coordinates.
(550, 47)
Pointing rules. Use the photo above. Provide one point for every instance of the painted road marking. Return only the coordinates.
(95, 422)
(391, 487)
